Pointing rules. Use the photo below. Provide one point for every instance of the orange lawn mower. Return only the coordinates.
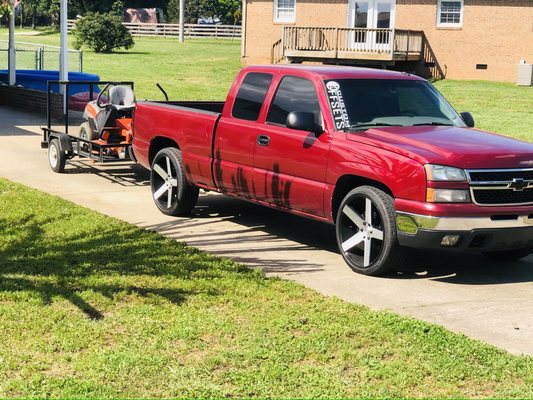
(105, 136)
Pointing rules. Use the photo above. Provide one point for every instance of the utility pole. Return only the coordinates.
(63, 53)
(182, 21)
(12, 55)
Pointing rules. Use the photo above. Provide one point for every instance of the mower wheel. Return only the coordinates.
(87, 133)
(56, 157)
(172, 194)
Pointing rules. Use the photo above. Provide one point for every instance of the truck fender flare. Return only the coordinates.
(65, 142)
(347, 182)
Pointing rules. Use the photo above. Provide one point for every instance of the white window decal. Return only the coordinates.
(450, 13)
(284, 10)
(338, 108)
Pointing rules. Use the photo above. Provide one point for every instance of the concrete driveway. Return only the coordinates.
(467, 294)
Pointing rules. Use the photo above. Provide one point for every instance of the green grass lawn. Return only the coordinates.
(196, 69)
(204, 69)
(93, 307)
(497, 107)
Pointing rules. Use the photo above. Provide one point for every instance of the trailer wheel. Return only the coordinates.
(87, 133)
(366, 232)
(172, 194)
(56, 157)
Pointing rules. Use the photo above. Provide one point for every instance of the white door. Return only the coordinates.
(373, 17)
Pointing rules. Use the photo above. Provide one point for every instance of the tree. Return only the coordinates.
(102, 32)
(226, 10)
(4, 7)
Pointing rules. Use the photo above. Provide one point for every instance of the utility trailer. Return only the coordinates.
(106, 134)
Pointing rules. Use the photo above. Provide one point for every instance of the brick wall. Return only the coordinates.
(30, 100)
(498, 33)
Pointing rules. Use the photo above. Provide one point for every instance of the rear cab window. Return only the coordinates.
(251, 95)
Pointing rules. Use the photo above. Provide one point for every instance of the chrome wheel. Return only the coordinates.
(172, 194)
(361, 231)
(165, 182)
(366, 231)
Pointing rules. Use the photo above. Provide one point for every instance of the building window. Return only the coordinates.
(450, 13)
(284, 10)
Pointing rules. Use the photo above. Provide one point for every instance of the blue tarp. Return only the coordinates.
(37, 80)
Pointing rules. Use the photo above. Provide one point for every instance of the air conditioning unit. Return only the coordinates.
(525, 75)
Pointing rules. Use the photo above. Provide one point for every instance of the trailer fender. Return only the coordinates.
(65, 143)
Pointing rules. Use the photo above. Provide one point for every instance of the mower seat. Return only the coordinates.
(122, 99)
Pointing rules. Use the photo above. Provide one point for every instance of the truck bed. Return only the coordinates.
(189, 123)
(210, 106)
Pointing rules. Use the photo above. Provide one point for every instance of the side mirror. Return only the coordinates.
(303, 121)
(468, 119)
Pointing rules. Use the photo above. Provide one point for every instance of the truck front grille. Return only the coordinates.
(495, 196)
(500, 175)
(501, 187)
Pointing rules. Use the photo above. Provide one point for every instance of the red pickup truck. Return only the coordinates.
(380, 154)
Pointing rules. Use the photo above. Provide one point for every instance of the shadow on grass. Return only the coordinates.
(47, 32)
(108, 260)
(131, 53)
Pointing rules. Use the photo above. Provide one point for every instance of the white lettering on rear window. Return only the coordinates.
(338, 108)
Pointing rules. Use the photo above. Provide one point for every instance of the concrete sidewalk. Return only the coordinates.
(488, 301)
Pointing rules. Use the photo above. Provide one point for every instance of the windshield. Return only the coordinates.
(358, 104)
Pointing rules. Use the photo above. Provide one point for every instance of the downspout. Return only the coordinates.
(243, 28)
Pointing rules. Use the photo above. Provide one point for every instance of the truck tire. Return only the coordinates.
(56, 157)
(366, 232)
(172, 194)
(508, 255)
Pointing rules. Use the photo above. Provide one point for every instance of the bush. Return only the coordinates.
(102, 32)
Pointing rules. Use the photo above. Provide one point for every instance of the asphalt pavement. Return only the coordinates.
(489, 301)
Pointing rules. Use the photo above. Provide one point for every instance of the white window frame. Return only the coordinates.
(284, 20)
(450, 24)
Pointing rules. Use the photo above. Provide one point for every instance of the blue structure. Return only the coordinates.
(37, 80)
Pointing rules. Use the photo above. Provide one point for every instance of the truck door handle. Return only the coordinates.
(263, 140)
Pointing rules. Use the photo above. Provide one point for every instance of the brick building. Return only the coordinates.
(461, 39)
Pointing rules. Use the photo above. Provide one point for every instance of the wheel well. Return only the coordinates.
(348, 182)
(158, 144)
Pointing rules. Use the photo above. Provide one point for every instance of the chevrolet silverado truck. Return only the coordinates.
(379, 154)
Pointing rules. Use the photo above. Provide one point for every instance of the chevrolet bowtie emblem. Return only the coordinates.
(518, 185)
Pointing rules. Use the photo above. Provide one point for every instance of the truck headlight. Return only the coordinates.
(447, 196)
(441, 173)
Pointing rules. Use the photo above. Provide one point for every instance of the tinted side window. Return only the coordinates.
(293, 94)
(251, 95)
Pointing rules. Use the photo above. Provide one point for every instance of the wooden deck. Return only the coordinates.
(334, 45)
(326, 43)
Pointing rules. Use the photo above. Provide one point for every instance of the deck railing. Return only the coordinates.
(276, 52)
(331, 40)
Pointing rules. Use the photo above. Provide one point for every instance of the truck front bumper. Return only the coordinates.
(478, 234)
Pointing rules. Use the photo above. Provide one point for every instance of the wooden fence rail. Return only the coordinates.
(191, 30)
